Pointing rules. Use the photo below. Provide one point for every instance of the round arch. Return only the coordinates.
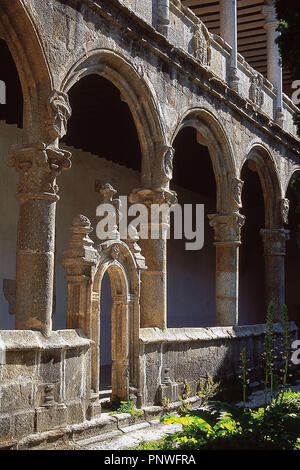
(18, 30)
(118, 262)
(268, 176)
(134, 91)
(211, 134)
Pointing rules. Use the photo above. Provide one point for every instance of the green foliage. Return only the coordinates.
(226, 426)
(165, 403)
(185, 406)
(269, 350)
(286, 346)
(125, 407)
(208, 389)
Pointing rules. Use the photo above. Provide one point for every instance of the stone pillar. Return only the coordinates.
(228, 31)
(273, 57)
(274, 241)
(154, 279)
(227, 229)
(38, 165)
(163, 16)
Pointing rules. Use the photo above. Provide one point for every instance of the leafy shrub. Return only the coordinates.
(227, 426)
(126, 407)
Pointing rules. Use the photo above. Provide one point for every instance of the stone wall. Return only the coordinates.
(169, 358)
(45, 384)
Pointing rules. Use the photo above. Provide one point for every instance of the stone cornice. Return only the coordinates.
(131, 25)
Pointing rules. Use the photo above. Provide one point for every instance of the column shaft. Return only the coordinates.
(275, 251)
(274, 69)
(163, 20)
(227, 284)
(228, 30)
(227, 229)
(154, 284)
(35, 265)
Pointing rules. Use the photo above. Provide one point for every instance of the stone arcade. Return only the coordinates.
(162, 104)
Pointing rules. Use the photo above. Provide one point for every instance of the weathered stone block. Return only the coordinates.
(52, 417)
(16, 395)
(76, 413)
(5, 427)
(23, 423)
(19, 364)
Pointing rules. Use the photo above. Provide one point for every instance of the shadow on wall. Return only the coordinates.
(252, 306)
(105, 333)
(191, 274)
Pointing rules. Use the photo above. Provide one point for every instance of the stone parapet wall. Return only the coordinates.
(171, 357)
(183, 24)
(45, 383)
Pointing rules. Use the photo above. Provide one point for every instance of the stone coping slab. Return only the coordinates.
(23, 340)
(187, 335)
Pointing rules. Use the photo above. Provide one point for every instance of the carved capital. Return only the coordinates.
(60, 112)
(227, 227)
(285, 208)
(38, 166)
(275, 241)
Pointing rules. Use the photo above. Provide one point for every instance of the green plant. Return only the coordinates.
(185, 406)
(268, 351)
(286, 347)
(227, 426)
(207, 389)
(126, 407)
(165, 403)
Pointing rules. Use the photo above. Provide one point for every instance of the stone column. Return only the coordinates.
(154, 279)
(38, 165)
(227, 229)
(274, 241)
(273, 57)
(163, 16)
(228, 31)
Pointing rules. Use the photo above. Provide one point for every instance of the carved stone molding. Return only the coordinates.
(236, 191)
(38, 166)
(275, 241)
(201, 42)
(227, 227)
(80, 245)
(285, 207)
(256, 93)
(61, 112)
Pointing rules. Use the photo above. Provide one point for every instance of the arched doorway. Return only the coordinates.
(86, 267)
(263, 239)
(206, 163)
(191, 274)
(252, 305)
